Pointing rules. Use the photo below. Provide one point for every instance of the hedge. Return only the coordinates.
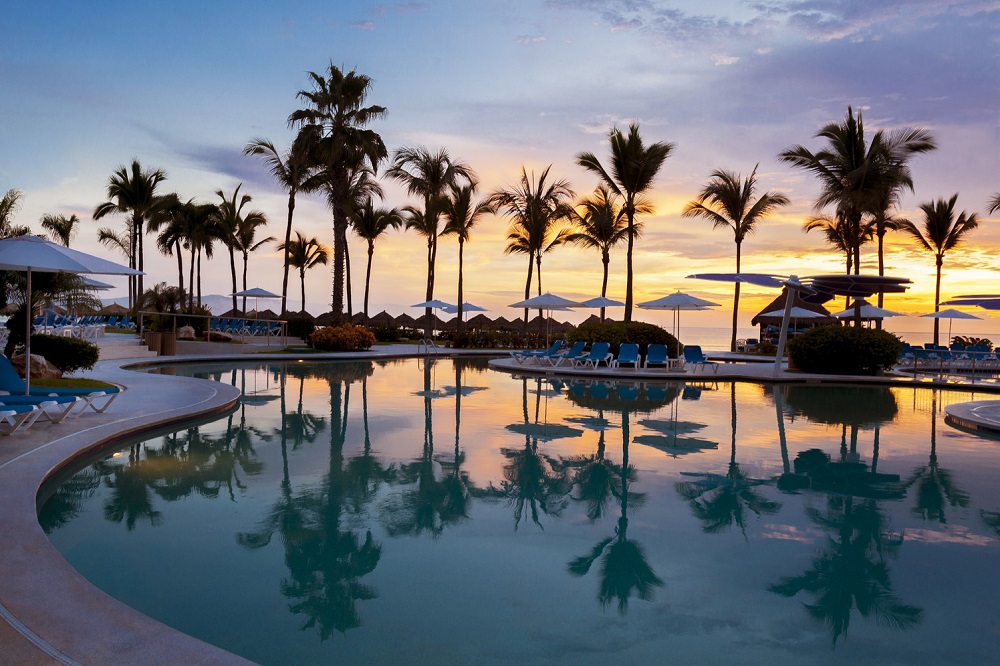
(843, 350)
(345, 337)
(617, 332)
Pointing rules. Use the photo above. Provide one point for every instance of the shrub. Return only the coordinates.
(841, 350)
(969, 341)
(346, 337)
(301, 326)
(67, 354)
(386, 332)
(199, 323)
(616, 332)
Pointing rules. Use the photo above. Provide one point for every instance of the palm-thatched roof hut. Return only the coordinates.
(480, 321)
(325, 319)
(112, 309)
(405, 321)
(381, 319)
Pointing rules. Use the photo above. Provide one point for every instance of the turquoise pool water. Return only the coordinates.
(429, 512)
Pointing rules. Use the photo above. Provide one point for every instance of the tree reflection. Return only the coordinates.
(326, 558)
(936, 487)
(624, 571)
(852, 572)
(721, 501)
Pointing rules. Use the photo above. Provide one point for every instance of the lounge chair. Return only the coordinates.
(656, 354)
(599, 353)
(17, 417)
(97, 399)
(537, 354)
(571, 356)
(628, 354)
(694, 356)
(54, 408)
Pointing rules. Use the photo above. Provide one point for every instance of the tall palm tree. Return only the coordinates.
(363, 187)
(231, 219)
(335, 118)
(534, 208)
(293, 173)
(245, 240)
(840, 234)
(728, 201)
(994, 203)
(62, 229)
(857, 176)
(461, 215)
(304, 254)
(429, 175)
(602, 226)
(170, 228)
(371, 223)
(633, 168)
(942, 231)
(132, 192)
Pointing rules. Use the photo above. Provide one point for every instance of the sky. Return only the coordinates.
(184, 86)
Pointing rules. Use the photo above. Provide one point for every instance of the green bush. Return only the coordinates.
(199, 324)
(67, 354)
(346, 337)
(386, 332)
(616, 332)
(842, 350)
(301, 326)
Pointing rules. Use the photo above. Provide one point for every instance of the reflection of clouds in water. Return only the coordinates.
(790, 533)
(949, 534)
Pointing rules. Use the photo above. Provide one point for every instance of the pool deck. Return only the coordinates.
(49, 614)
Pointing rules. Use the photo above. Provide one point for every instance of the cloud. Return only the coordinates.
(721, 59)
(529, 39)
(363, 25)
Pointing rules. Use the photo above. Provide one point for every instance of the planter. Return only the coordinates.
(168, 344)
(153, 341)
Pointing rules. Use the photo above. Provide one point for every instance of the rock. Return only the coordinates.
(40, 368)
(216, 336)
(185, 333)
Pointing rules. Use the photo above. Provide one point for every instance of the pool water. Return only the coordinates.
(438, 511)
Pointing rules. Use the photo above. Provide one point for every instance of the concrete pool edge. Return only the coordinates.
(59, 617)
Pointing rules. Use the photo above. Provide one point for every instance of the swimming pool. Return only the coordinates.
(414, 511)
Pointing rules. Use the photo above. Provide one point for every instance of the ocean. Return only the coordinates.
(717, 338)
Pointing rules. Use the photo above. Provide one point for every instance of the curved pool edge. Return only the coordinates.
(49, 612)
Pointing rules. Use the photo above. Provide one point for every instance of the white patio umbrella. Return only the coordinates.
(950, 314)
(433, 305)
(31, 253)
(797, 312)
(868, 311)
(547, 302)
(676, 302)
(602, 302)
(256, 293)
(466, 309)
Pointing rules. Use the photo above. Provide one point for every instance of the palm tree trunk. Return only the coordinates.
(246, 260)
(302, 275)
(881, 267)
(736, 299)
(368, 276)
(937, 296)
(527, 290)
(541, 314)
(347, 277)
(628, 264)
(428, 294)
(138, 232)
(339, 240)
(232, 270)
(288, 240)
(191, 281)
(180, 269)
(606, 259)
(461, 248)
(199, 277)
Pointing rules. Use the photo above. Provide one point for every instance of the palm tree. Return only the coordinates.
(994, 203)
(429, 175)
(363, 187)
(132, 192)
(941, 232)
(370, 223)
(231, 218)
(62, 229)
(728, 201)
(859, 177)
(171, 234)
(10, 204)
(245, 241)
(840, 235)
(304, 254)
(339, 143)
(534, 207)
(632, 170)
(293, 173)
(462, 214)
(602, 226)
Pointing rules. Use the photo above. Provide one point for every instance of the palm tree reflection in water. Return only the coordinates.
(935, 485)
(624, 569)
(852, 572)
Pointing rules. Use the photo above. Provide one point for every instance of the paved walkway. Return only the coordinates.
(49, 614)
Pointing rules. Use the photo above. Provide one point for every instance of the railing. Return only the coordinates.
(282, 325)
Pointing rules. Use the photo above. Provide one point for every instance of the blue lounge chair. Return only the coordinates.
(98, 400)
(17, 417)
(536, 354)
(599, 353)
(54, 408)
(628, 354)
(571, 356)
(656, 354)
(694, 356)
